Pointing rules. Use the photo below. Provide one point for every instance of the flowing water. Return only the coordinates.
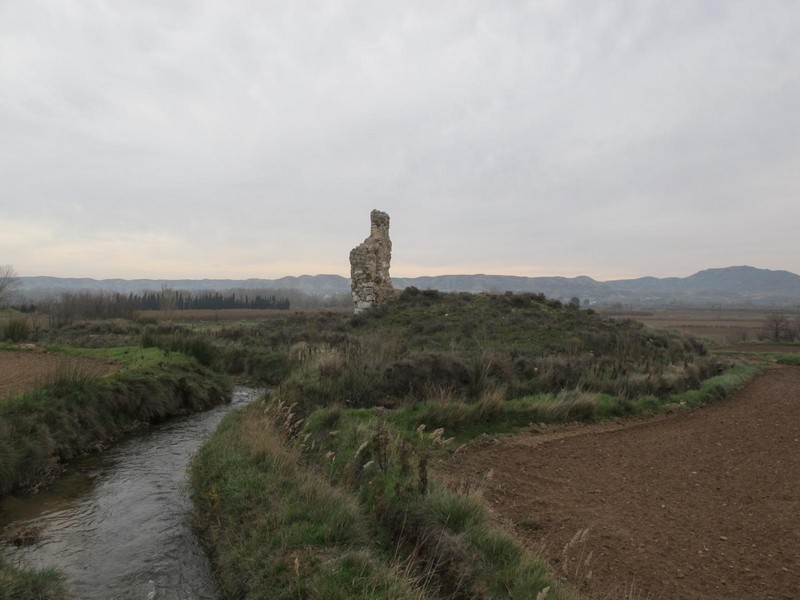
(119, 524)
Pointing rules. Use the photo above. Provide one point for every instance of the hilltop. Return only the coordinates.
(737, 285)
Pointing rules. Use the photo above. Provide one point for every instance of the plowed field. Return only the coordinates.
(25, 371)
(699, 505)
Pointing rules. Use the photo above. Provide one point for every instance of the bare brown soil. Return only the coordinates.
(699, 505)
(716, 325)
(23, 371)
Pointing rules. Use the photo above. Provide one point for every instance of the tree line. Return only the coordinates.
(171, 300)
(68, 306)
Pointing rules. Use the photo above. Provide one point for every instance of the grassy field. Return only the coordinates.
(362, 408)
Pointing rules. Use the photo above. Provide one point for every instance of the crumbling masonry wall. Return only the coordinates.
(369, 265)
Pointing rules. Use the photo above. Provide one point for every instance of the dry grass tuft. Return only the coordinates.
(575, 560)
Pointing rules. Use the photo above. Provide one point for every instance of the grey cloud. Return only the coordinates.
(541, 136)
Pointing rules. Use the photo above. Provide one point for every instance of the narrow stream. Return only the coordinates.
(119, 524)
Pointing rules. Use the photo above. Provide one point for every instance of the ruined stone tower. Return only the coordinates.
(369, 265)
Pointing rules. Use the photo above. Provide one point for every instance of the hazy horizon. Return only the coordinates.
(347, 276)
(191, 140)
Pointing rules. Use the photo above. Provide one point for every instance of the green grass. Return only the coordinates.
(312, 542)
(16, 346)
(326, 491)
(469, 344)
(130, 357)
(719, 387)
(492, 414)
(74, 412)
(788, 359)
(344, 505)
(529, 323)
(191, 344)
(23, 584)
(17, 329)
(388, 470)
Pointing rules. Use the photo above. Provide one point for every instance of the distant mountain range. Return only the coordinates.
(731, 285)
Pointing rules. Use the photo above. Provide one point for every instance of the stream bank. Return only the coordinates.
(119, 524)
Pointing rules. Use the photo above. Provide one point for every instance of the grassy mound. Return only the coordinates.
(429, 344)
(330, 477)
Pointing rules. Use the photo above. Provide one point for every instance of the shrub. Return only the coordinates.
(190, 344)
(454, 511)
(16, 330)
(423, 370)
(68, 378)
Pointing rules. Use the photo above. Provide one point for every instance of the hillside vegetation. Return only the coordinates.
(326, 487)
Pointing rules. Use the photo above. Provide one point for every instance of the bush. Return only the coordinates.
(16, 330)
(424, 370)
(263, 365)
(190, 344)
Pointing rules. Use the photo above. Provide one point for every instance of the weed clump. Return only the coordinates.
(190, 344)
(15, 330)
(420, 371)
(22, 584)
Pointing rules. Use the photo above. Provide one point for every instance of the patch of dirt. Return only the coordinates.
(24, 371)
(699, 505)
(759, 348)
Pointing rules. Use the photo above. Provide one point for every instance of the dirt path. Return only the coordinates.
(22, 371)
(694, 506)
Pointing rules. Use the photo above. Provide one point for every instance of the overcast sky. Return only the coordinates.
(170, 139)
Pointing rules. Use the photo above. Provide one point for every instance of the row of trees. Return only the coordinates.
(171, 300)
(69, 306)
(65, 307)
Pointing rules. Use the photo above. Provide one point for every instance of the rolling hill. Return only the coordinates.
(738, 285)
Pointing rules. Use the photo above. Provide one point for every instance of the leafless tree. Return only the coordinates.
(794, 331)
(777, 326)
(8, 281)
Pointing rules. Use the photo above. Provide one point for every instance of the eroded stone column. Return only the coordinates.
(369, 265)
